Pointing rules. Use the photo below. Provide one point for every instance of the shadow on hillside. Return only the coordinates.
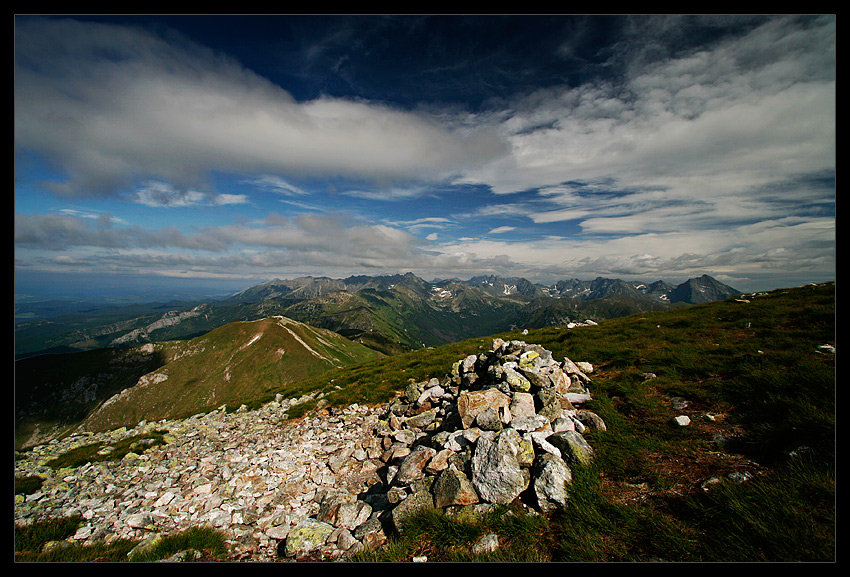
(56, 392)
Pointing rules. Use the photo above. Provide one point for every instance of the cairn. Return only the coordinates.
(502, 427)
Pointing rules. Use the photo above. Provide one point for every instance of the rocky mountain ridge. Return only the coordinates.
(303, 288)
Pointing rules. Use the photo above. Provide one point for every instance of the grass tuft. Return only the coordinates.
(50, 541)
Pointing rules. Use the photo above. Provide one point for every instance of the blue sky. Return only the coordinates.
(223, 151)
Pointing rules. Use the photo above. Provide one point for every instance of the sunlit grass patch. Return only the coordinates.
(441, 536)
(100, 451)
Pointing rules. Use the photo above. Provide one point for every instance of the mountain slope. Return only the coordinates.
(552, 311)
(155, 381)
(407, 316)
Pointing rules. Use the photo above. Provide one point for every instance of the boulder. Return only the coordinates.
(452, 488)
(551, 476)
(496, 472)
(412, 468)
(308, 535)
(573, 447)
(402, 511)
(522, 405)
(343, 511)
(590, 420)
(471, 403)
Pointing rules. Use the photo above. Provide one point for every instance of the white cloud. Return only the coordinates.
(720, 160)
(276, 184)
(760, 108)
(277, 242)
(743, 252)
(116, 104)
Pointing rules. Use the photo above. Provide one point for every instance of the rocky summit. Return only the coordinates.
(504, 426)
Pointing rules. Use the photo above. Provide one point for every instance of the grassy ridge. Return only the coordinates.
(55, 393)
(238, 360)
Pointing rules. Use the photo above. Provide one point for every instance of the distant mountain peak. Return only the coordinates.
(701, 290)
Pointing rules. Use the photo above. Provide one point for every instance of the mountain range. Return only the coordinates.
(164, 360)
(391, 314)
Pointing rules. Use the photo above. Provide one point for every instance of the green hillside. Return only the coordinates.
(388, 313)
(404, 319)
(718, 354)
(108, 388)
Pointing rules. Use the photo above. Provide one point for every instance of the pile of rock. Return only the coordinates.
(503, 427)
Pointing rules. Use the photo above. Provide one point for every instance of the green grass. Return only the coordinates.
(47, 541)
(28, 484)
(788, 516)
(755, 366)
(91, 453)
(442, 537)
(209, 542)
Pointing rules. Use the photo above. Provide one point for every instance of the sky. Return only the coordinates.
(213, 153)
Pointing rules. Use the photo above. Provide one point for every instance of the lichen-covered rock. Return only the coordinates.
(423, 419)
(343, 511)
(471, 403)
(487, 544)
(522, 405)
(412, 468)
(453, 488)
(306, 536)
(415, 502)
(573, 446)
(496, 472)
(515, 380)
(551, 477)
(590, 420)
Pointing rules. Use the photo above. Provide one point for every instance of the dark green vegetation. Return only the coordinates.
(97, 452)
(53, 393)
(45, 541)
(28, 485)
(439, 537)
(760, 390)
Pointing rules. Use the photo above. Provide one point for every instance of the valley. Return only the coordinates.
(114, 366)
